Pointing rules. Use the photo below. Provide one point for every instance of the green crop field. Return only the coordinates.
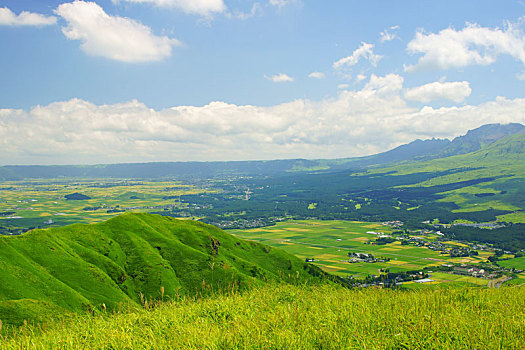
(329, 242)
(42, 203)
(517, 263)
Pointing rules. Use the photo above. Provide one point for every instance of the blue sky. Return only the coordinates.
(165, 80)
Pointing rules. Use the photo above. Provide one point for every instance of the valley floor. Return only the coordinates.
(299, 317)
(334, 245)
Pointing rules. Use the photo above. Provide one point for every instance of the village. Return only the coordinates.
(435, 240)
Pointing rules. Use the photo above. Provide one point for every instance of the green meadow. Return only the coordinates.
(516, 217)
(329, 242)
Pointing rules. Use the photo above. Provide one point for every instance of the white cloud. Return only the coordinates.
(473, 45)
(387, 85)
(360, 77)
(388, 34)
(25, 18)
(343, 86)
(354, 123)
(521, 76)
(256, 9)
(283, 3)
(117, 38)
(199, 7)
(316, 75)
(365, 51)
(280, 78)
(456, 91)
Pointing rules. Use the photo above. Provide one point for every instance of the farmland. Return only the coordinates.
(42, 203)
(481, 187)
(328, 243)
(30, 204)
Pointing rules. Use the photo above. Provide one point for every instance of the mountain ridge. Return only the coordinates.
(129, 259)
(476, 138)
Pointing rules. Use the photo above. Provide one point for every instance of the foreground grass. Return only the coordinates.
(286, 316)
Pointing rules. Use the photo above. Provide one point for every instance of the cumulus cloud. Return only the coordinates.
(388, 34)
(316, 75)
(24, 18)
(456, 91)
(473, 45)
(199, 7)
(365, 51)
(356, 122)
(280, 78)
(387, 85)
(116, 38)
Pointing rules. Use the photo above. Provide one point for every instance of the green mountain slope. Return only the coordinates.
(502, 163)
(503, 157)
(475, 139)
(81, 267)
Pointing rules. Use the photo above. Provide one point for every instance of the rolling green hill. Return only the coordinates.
(503, 162)
(127, 260)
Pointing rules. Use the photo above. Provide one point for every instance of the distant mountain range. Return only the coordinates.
(417, 150)
(472, 141)
(477, 138)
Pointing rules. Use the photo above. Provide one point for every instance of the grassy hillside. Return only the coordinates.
(502, 163)
(504, 154)
(475, 139)
(130, 259)
(299, 317)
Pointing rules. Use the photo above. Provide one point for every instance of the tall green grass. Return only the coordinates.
(279, 316)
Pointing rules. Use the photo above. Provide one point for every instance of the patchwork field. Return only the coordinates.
(329, 242)
(42, 203)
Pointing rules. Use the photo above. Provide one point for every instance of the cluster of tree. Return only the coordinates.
(463, 252)
(511, 237)
(384, 240)
(390, 279)
(76, 197)
(91, 208)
